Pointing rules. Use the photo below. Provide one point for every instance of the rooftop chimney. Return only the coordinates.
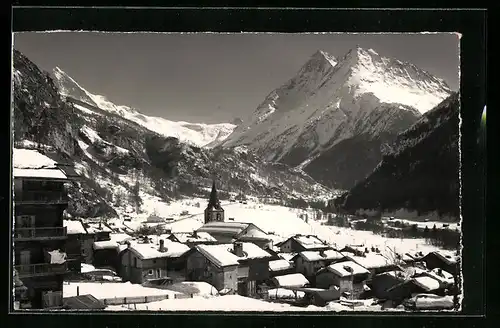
(162, 246)
(322, 253)
(195, 234)
(238, 248)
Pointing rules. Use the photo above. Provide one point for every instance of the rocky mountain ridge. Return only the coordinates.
(362, 100)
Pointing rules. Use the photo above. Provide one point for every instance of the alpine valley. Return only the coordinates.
(338, 124)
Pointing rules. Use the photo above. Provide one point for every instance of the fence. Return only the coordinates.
(142, 299)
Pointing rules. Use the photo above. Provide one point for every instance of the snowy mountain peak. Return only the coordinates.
(198, 134)
(330, 100)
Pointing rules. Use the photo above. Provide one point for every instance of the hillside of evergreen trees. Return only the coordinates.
(420, 172)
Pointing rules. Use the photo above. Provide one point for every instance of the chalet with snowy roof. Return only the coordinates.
(417, 285)
(40, 199)
(375, 262)
(280, 267)
(192, 239)
(99, 229)
(228, 232)
(141, 262)
(446, 262)
(348, 276)
(237, 267)
(214, 211)
(309, 262)
(382, 282)
(290, 280)
(357, 250)
(300, 243)
(106, 252)
(287, 256)
(446, 279)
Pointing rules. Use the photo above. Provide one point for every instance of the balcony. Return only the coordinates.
(39, 233)
(42, 269)
(41, 197)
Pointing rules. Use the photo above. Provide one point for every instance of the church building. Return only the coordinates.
(214, 211)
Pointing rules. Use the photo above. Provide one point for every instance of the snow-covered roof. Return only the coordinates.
(95, 227)
(233, 228)
(256, 233)
(292, 280)
(329, 254)
(119, 237)
(185, 237)
(407, 258)
(310, 241)
(31, 159)
(287, 256)
(115, 240)
(371, 260)
(39, 173)
(222, 255)
(427, 283)
(442, 276)
(105, 244)
(152, 251)
(346, 269)
(448, 259)
(279, 265)
(74, 227)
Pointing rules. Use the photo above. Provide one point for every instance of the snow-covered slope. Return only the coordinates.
(124, 167)
(197, 134)
(330, 99)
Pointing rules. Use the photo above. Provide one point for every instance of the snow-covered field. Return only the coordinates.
(236, 303)
(284, 222)
(112, 289)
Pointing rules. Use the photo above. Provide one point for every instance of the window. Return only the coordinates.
(154, 261)
(150, 272)
(135, 262)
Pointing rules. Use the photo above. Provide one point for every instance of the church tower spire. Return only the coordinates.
(214, 211)
(214, 197)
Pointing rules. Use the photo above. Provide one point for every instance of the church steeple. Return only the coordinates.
(214, 211)
(214, 197)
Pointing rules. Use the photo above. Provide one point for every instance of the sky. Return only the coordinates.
(213, 78)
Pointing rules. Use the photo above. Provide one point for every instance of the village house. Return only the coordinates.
(106, 252)
(384, 281)
(395, 295)
(348, 276)
(375, 263)
(280, 267)
(309, 262)
(228, 232)
(236, 267)
(446, 279)
(98, 229)
(141, 262)
(406, 260)
(40, 198)
(300, 243)
(290, 280)
(78, 245)
(192, 239)
(287, 256)
(442, 261)
(357, 250)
